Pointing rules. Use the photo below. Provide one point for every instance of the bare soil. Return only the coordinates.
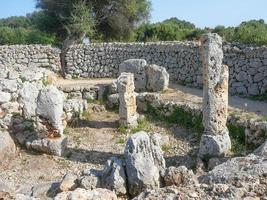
(92, 141)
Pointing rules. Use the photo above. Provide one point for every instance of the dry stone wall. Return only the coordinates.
(21, 56)
(247, 65)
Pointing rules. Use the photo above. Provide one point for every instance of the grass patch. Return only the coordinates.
(22, 78)
(122, 129)
(67, 130)
(165, 148)
(120, 141)
(45, 81)
(143, 125)
(180, 117)
(262, 97)
(86, 115)
(238, 138)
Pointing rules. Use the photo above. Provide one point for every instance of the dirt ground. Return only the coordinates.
(91, 142)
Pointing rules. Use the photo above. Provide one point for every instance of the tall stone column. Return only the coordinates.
(127, 98)
(215, 140)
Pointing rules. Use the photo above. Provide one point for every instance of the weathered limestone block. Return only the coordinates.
(83, 194)
(138, 68)
(91, 179)
(114, 177)
(144, 163)
(28, 99)
(69, 182)
(50, 111)
(4, 97)
(179, 176)
(157, 78)
(54, 146)
(127, 99)
(215, 141)
(7, 147)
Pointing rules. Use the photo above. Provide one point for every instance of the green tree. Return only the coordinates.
(168, 30)
(115, 19)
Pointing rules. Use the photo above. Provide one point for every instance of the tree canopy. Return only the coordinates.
(115, 19)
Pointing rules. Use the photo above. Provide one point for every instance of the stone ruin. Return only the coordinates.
(127, 109)
(215, 140)
(35, 114)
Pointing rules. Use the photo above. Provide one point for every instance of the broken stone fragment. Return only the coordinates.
(180, 176)
(68, 183)
(214, 145)
(54, 146)
(28, 99)
(83, 194)
(50, 112)
(138, 68)
(157, 78)
(144, 163)
(114, 177)
(7, 147)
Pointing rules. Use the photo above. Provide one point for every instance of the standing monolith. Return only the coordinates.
(127, 99)
(215, 141)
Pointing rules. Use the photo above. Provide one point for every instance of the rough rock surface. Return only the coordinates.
(215, 98)
(144, 163)
(82, 194)
(69, 182)
(138, 68)
(179, 176)
(54, 146)
(214, 145)
(28, 98)
(7, 147)
(157, 78)
(127, 99)
(91, 179)
(262, 150)
(246, 174)
(50, 111)
(114, 177)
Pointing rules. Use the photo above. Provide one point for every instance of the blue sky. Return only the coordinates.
(201, 12)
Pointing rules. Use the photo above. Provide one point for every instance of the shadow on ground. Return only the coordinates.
(86, 156)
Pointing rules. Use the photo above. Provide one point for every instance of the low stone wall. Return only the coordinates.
(246, 127)
(247, 65)
(20, 56)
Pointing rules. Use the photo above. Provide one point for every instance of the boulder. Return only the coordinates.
(157, 78)
(69, 182)
(7, 147)
(91, 179)
(28, 99)
(82, 194)
(214, 145)
(53, 146)
(114, 177)
(138, 68)
(179, 176)
(239, 170)
(144, 163)
(50, 110)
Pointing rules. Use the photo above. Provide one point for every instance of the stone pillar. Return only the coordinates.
(215, 141)
(127, 99)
